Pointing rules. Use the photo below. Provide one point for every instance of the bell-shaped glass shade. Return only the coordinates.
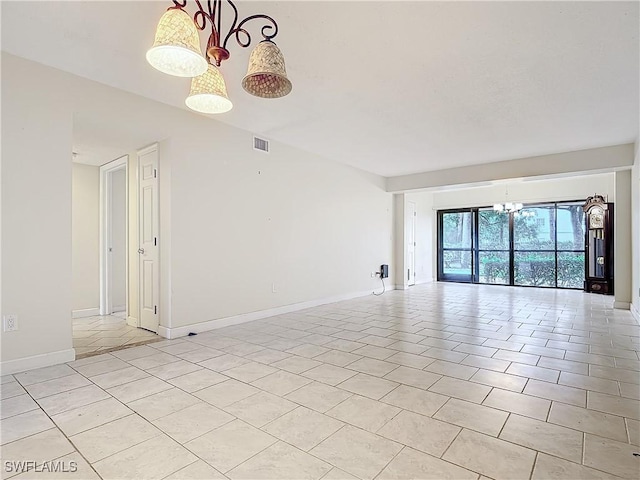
(266, 76)
(176, 50)
(209, 93)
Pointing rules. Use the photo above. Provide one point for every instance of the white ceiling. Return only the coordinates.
(389, 87)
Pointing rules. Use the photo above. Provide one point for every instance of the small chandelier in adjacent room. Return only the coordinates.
(507, 206)
(176, 51)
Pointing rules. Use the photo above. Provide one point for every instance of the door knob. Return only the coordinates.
(141, 251)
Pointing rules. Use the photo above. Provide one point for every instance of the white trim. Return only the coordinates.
(401, 287)
(260, 314)
(622, 305)
(635, 311)
(37, 361)
(132, 321)
(105, 226)
(85, 312)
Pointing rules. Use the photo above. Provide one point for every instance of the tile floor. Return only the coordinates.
(440, 381)
(92, 335)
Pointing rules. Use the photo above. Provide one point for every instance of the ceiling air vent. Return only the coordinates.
(261, 144)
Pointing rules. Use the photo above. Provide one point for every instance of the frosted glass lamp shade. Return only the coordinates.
(266, 76)
(209, 93)
(176, 50)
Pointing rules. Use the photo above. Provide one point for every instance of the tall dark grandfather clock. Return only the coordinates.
(598, 245)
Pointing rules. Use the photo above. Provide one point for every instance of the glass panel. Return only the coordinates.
(570, 270)
(534, 228)
(493, 230)
(456, 230)
(596, 253)
(535, 268)
(570, 226)
(494, 267)
(456, 262)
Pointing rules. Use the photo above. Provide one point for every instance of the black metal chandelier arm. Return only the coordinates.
(237, 31)
(178, 4)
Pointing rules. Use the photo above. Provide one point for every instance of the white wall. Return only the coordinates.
(425, 236)
(85, 237)
(622, 240)
(635, 234)
(118, 240)
(234, 221)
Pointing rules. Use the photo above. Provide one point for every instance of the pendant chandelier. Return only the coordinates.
(507, 206)
(176, 51)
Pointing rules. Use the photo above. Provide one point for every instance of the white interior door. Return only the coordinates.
(149, 290)
(411, 243)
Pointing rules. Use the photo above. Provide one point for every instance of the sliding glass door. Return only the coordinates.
(541, 245)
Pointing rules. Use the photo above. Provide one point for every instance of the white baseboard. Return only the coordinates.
(400, 287)
(176, 332)
(635, 311)
(132, 322)
(119, 308)
(37, 361)
(622, 305)
(85, 312)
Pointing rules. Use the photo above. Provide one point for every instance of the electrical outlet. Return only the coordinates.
(10, 323)
(273, 288)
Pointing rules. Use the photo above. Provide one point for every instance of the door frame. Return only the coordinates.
(106, 195)
(412, 211)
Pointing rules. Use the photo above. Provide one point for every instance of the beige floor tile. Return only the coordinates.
(295, 364)
(119, 377)
(611, 456)
(486, 363)
(194, 381)
(479, 452)
(133, 353)
(57, 385)
(154, 458)
(371, 366)
(337, 474)
(111, 365)
(230, 445)
(281, 461)
(553, 468)
(564, 365)
(526, 405)
(199, 470)
(530, 371)
(47, 445)
(449, 369)
(152, 361)
(357, 452)
(415, 400)
(589, 383)
(368, 386)
(338, 358)
(329, 374)
(409, 429)
(344, 345)
(308, 350)
(500, 380)
(43, 374)
(224, 362)
(453, 387)
(191, 422)
(303, 428)
(364, 412)
(179, 348)
(543, 352)
(559, 393)
(412, 360)
(629, 390)
(11, 389)
(545, 437)
(590, 421)
(624, 407)
(138, 389)
(260, 409)
(249, 372)
(633, 428)
(281, 382)
(72, 399)
(78, 420)
(413, 377)
(174, 369)
(518, 357)
(16, 405)
(113, 437)
(163, 403)
(200, 355)
(412, 464)
(318, 396)
(225, 393)
(470, 415)
(408, 347)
